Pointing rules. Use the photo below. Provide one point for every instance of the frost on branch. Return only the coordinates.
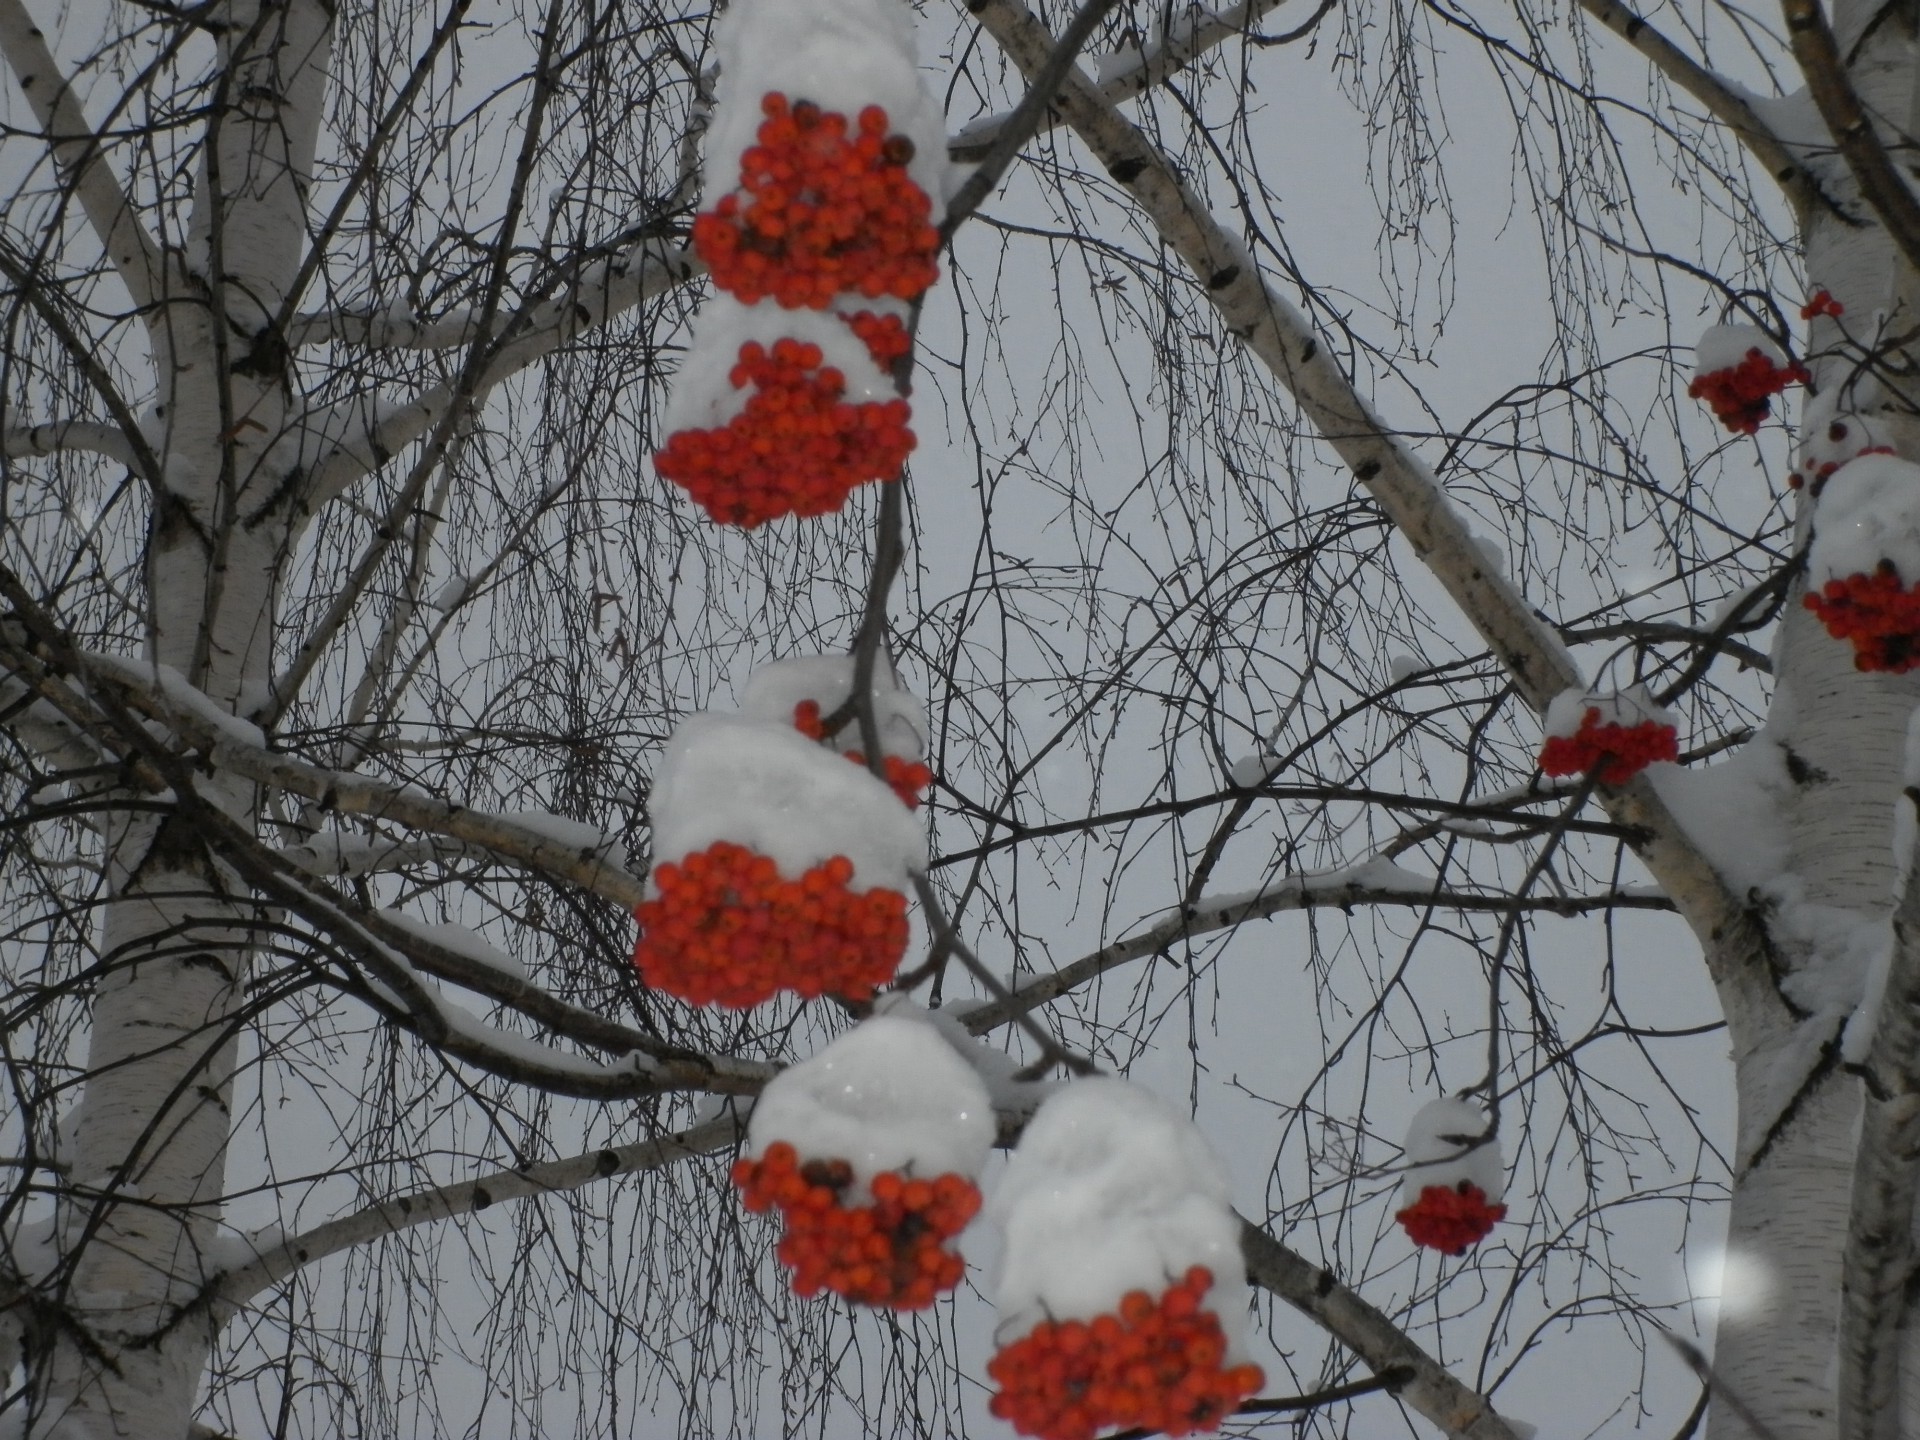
(869, 1150)
(777, 866)
(1611, 737)
(1452, 1191)
(1737, 371)
(1866, 542)
(1121, 1280)
(827, 175)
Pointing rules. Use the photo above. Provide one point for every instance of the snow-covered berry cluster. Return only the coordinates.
(892, 1252)
(824, 207)
(778, 867)
(908, 779)
(1866, 543)
(728, 929)
(1453, 1186)
(869, 1151)
(1829, 440)
(798, 447)
(1611, 737)
(1451, 1218)
(1878, 612)
(1117, 1227)
(1738, 372)
(1158, 1363)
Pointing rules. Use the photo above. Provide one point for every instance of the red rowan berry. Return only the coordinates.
(1611, 752)
(1878, 613)
(1450, 1218)
(1740, 395)
(1155, 1365)
(728, 929)
(892, 1252)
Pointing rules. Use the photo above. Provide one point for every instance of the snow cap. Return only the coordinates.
(841, 54)
(766, 786)
(774, 690)
(704, 396)
(1111, 1191)
(1869, 511)
(890, 1094)
(1567, 711)
(1439, 1156)
(1722, 347)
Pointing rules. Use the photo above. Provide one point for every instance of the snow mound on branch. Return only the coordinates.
(1567, 711)
(1112, 1191)
(1442, 1151)
(766, 786)
(774, 690)
(1868, 512)
(704, 396)
(841, 54)
(1732, 810)
(890, 1094)
(1721, 347)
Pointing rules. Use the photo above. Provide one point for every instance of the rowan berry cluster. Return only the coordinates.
(885, 336)
(1822, 303)
(797, 448)
(823, 208)
(1450, 1218)
(729, 929)
(892, 1252)
(1611, 752)
(1878, 613)
(1158, 1364)
(1740, 395)
(908, 778)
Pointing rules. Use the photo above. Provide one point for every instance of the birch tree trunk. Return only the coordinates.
(148, 1142)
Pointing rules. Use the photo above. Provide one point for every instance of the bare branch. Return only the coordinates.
(77, 151)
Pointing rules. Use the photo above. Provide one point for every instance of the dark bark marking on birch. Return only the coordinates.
(1127, 171)
(1366, 472)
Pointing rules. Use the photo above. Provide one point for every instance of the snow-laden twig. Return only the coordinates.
(1406, 490)
(62, 435)
(78, 153)
(236, 1288)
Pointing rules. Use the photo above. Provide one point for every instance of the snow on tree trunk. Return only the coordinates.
(147, 1142)
(1844, 731)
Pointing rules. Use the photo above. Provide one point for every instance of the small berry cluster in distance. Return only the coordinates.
(1451, 1218)
(1740, 395)
(1879, 614)
(1613, 753)
(798, 448)
(821, 212)
(1158, 1365)
(892, 1252)
(1822, 303)
(909, 778)
(729, 929)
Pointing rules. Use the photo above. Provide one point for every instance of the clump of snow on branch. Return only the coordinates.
(1446, 1144)
(1869, 511)
(775, 691)
(890, 1094)
(704, 395)
(1830, 438)
(1111, 1191)
(765, 786)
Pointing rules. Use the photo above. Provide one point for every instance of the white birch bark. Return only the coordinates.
(150, 1133)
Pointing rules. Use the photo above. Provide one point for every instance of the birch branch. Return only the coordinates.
(348, 447)
(1406, 490)
(1723, 102)
(78, 154)
(1127, 76)
(448, 1202)
(1461, 1412)
(1878, 1264)
(57, 436)
(1881, 185)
